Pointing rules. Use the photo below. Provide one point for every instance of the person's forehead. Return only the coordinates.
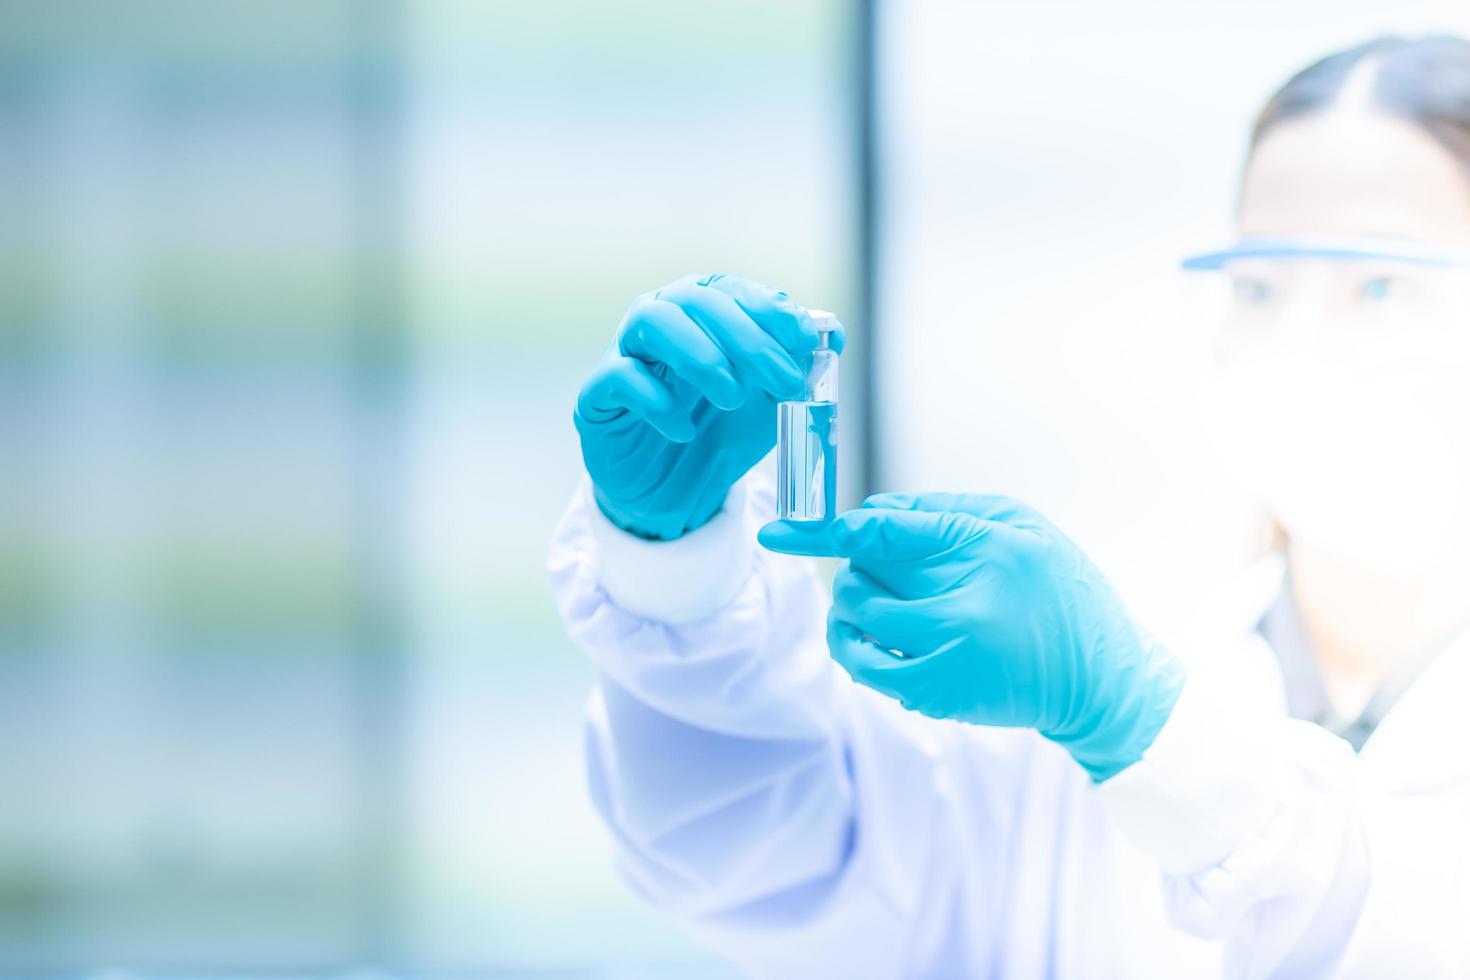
(1355, 171)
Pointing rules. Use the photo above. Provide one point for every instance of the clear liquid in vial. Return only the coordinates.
(806, 461)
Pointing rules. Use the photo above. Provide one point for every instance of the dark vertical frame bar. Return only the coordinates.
(865, 63)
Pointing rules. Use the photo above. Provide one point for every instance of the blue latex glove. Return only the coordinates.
(1001, 618)
(684, 400)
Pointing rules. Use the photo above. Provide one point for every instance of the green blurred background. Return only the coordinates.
(294, 301)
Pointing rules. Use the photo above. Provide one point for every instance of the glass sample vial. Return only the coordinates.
(806, 435)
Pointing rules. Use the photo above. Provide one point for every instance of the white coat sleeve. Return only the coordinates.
(1276, 839)
(798, 824)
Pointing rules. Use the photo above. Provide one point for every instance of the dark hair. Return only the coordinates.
(1423, 80)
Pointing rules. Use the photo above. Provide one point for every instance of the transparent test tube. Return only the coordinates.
(806, 435)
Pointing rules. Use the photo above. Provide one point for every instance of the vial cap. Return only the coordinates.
(825, 323)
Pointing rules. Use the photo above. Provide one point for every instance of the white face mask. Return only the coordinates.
(1361, 451)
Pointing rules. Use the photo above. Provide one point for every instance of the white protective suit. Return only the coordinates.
(803, 826)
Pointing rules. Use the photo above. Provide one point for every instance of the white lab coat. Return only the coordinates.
(803, 826)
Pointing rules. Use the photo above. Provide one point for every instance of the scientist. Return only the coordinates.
(1064, 796)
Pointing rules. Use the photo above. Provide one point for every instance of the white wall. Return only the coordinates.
(1045, 165)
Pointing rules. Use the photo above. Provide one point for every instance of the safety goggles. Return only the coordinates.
(1368, 293)
(1329, 248)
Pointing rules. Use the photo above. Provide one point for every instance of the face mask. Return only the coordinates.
(1363, 455)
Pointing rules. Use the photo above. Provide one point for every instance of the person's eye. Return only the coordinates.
(1377, 289)
(1251, 292)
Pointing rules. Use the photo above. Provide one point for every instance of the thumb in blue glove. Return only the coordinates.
(1000, 620)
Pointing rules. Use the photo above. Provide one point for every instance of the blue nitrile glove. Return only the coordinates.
(1001, 618)
(682, 404)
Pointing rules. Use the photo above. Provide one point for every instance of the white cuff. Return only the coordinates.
(1209, 780)
(677, 581)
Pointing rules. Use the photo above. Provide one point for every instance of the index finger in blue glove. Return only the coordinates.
(776, 312)
(797, 538)
(990, 507)
(874, 534)
(660, 332)
(758, 356)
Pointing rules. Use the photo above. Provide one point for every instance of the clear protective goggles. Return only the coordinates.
(1365, 285)
(1397, 251)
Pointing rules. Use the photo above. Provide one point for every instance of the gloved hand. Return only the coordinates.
(681, 404)
(1001, 619)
